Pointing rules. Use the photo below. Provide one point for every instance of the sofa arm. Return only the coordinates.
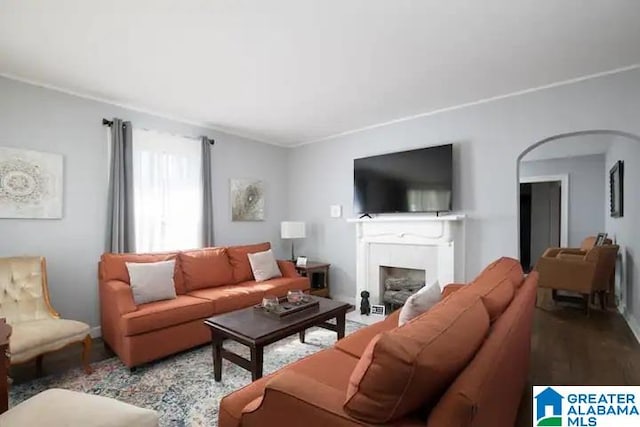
(289, 395)
(287, 268)
(117, 296)
(451, 288)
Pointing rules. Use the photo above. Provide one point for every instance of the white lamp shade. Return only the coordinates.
(292, 230)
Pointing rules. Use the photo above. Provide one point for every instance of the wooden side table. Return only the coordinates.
(318, 274)
(5, 333)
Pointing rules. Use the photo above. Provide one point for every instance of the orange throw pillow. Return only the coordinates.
(410, 367)
(240, 261)
(205, 268)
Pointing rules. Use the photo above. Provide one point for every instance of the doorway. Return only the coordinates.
(542, 217)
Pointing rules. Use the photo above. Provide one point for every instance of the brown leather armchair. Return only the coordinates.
(584, 272)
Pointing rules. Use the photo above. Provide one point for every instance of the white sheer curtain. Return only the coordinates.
(167, 191)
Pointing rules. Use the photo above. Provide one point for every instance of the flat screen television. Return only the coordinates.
(408, 181)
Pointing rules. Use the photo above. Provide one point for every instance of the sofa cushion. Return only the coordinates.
(152, 281)
(409, 367)
(205, 268)
(240, 261)
(501, 268)
(36, 337)
(330, 367)
(354, 344)
(264, 265)
(162, 314)
(233, 297)
(496, 296)
(113, 267)
(64, 408)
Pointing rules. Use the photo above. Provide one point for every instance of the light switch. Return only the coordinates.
(336, 211)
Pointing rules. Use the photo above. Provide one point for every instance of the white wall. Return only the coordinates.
(488, 139)
(586, 194)
(626, 231)
(40, 119)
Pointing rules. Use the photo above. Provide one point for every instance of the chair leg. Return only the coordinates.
(86, 354)
(587, 306)
(603, 296)
(39, 365)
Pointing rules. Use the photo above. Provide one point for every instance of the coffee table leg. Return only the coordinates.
(256, 362)
(301, 334)
(216, 347)
(340, 323)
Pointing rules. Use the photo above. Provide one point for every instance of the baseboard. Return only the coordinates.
(95, 332)
(632, 322)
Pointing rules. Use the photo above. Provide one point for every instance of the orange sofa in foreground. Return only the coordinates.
(208, 281)
(463, 363)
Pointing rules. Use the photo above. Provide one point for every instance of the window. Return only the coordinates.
(167, 188)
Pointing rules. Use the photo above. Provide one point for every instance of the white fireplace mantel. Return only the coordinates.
(410, 218)
(431, 243)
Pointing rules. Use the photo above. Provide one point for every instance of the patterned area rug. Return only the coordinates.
(181, 388)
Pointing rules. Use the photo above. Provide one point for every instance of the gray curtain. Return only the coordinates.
(120, 219)
(207, 194)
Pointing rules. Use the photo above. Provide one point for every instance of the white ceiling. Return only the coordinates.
(574, 146)
(293, 71)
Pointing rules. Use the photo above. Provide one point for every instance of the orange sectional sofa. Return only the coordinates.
(207, 281)
(463, 363)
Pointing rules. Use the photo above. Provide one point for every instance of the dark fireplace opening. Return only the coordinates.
(397, 284)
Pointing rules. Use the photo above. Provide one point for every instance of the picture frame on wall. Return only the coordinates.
(616, 190)
(600, 239)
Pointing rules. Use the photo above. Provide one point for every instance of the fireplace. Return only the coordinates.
(399, 283)
(427, 247)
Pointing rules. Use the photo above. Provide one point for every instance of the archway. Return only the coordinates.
(625, 280)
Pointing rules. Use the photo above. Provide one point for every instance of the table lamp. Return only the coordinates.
(292, 230)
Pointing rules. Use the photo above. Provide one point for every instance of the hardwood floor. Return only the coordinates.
(58, 361)
(568, 348)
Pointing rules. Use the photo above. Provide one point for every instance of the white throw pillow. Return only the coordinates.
(421, 301)
(151, 281)
(264, 266)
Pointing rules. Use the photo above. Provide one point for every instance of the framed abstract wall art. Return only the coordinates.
(247, 200)
(616, 190)
(31, 184)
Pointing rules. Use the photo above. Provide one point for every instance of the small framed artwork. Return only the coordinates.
(600, 239)
(378, 310)
(301, 261)
(616, 190)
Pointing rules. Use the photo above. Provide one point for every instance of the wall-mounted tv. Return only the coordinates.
(408, 181)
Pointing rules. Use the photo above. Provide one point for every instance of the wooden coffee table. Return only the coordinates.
(256, 329)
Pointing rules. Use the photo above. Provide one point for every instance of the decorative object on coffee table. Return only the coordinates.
(318, 274)
(293, 230)
(286, 307)
(255, 330)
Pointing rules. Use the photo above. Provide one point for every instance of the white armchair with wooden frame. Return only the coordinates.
(37, 327)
